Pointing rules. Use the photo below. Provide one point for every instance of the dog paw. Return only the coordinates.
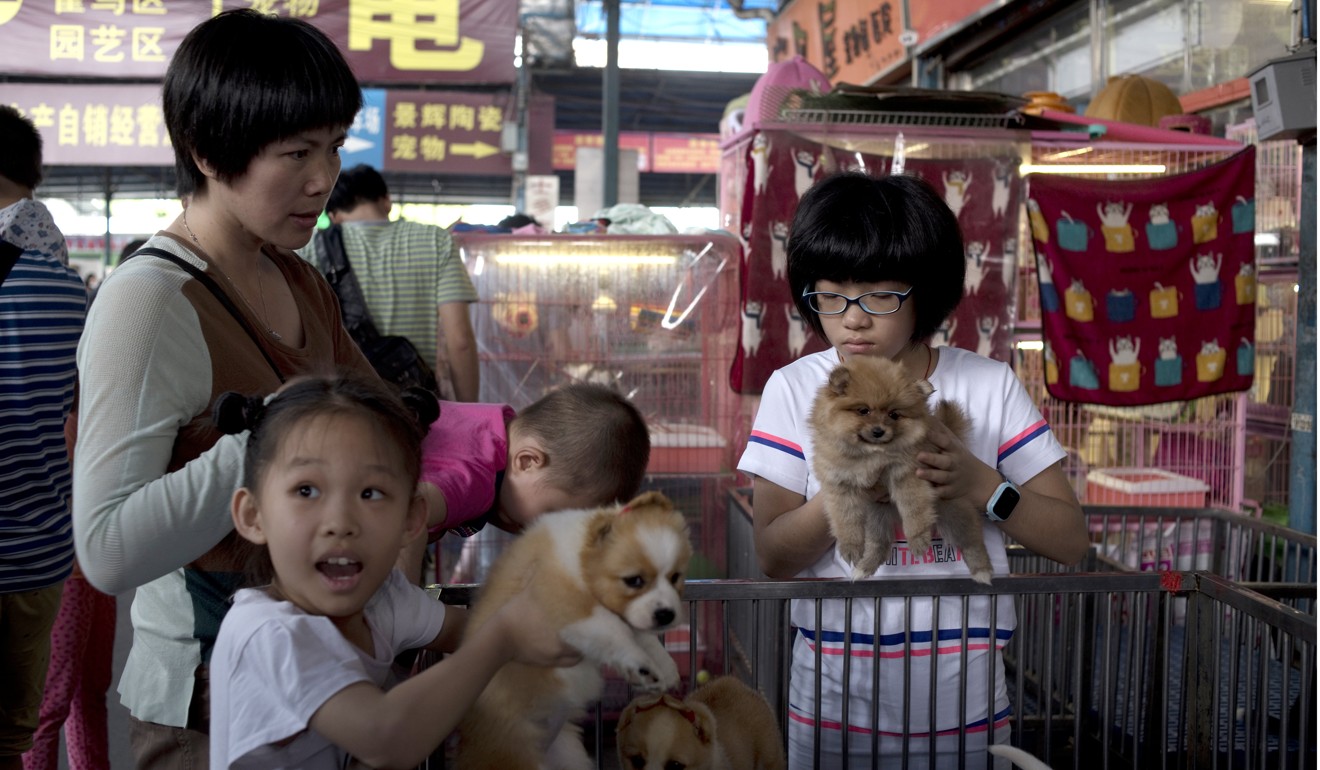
(919, 544)
(851, 553)
(866, 566)
(982, 576)
(650, 676)
(667, 672)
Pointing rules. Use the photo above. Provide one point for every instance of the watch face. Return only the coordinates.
(1006, 501)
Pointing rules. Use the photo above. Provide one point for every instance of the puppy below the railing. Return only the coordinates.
(723, 725)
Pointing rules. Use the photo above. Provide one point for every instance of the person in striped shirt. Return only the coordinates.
(412, 278)
(42, 307)
(875, 265)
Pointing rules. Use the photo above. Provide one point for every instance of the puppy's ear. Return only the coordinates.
(626, 718)
(648, 499)
(839, 379)
(924, 387)
(640, 703)
(599, 528)
(703, 721)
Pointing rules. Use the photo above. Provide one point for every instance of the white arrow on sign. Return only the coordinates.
(357, 144)
(477, 150)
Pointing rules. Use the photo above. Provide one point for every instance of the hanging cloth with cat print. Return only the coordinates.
(1147, 287)
(780, 166)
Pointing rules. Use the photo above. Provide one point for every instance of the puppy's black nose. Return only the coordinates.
(664, 617)
(877, 432)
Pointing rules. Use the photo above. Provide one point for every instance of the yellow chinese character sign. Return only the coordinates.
(94, 125)
(123, 125)
(423, 41)
(457, 132)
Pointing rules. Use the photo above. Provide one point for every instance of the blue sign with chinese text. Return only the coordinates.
(366, 137)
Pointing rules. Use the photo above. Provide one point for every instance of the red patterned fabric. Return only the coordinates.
(781, 166)
(1147, 287)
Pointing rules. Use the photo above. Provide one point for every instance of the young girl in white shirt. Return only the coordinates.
(301, 667)
(876, 265)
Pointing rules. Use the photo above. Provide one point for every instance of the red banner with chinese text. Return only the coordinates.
(656, 153)
(94, 125)
(567, 142)
(438, 132)
(685, 153)
(397, 41)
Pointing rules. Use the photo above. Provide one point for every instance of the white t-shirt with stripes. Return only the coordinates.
(1008, 433)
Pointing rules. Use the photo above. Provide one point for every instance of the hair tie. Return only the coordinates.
(235, 412)
(424, 406)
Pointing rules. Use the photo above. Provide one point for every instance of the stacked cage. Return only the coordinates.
(1177, 454)
(1209, 663)
(649, 316)
(1278, 228)
(653, 317)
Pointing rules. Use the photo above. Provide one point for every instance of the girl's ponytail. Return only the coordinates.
(424, 405)
(234, 412)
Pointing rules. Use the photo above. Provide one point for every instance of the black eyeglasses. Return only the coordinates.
(872, 302)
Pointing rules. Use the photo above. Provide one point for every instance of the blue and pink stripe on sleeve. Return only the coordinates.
(1040, 428)
(775, 442)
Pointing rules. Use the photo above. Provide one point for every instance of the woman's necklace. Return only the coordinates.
(265, 317)
(930, 361)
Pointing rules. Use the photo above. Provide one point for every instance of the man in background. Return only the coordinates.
(42, 307)
(413, 281)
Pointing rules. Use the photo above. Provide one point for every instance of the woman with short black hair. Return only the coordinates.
(257, 107)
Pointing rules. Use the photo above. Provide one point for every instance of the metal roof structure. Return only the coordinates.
(704, 20)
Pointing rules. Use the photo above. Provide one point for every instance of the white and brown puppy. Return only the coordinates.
(610, 580)
(724, 725)
(868, 423)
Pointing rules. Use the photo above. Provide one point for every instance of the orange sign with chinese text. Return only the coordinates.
(850, 42)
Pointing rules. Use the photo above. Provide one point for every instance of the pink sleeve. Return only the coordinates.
(462, 454)
(468, 487)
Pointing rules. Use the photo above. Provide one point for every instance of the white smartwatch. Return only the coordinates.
(1003, 501)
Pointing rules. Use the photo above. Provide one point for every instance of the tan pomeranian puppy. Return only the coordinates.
(868, 423)
(724, 725)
